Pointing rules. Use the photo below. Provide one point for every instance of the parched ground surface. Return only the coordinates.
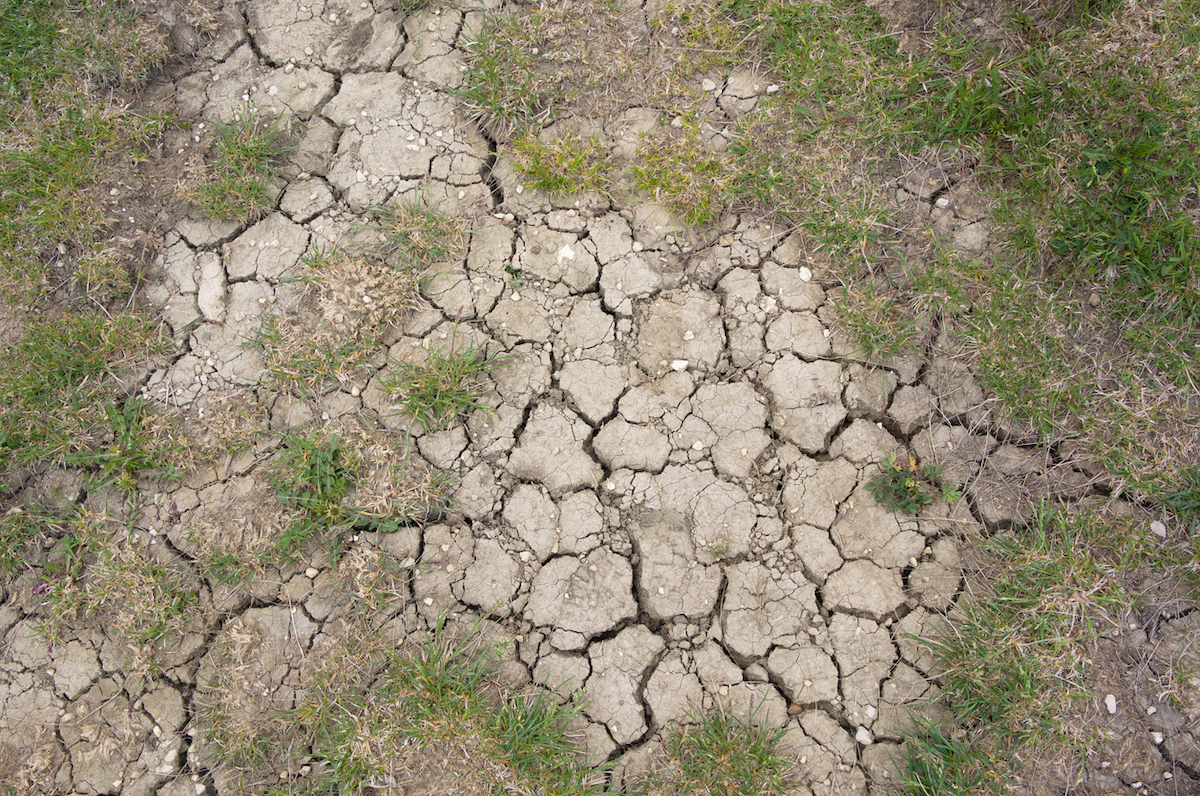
(667, 508)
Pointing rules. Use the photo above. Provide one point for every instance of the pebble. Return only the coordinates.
(311, 572)
(863, 736)
(707, 84)
(1159, 529)
(679, 365)
(1110, 702)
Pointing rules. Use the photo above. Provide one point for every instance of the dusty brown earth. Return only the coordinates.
(667, 507)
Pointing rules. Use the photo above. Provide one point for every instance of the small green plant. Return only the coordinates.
(314, 474)
(906, 487)
(447, 385)
(564, 165)
(417, 236)
(247, 152)
(336, 485)
(720, 753)
(938, 764)
(676, 168)
(129, 453)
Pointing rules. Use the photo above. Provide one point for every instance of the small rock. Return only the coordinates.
(679, 365)
(311, 572)
(863, 736)
(1094, 300)
(707, 85)
(1110, 702)
(1159, 529)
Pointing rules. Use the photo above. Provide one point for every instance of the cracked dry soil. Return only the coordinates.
(667, 508)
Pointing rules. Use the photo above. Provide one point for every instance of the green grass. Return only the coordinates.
(1086, 138)
(720, 754)
(564, 165)
(130, 454)
(429, 710)
(439, 695)
(938, 764)
(64, 133)
(247, 151)
(505, 90)
(1016, 666)
(55, 381)
(336, 485)
(417, 236)
(448, 385)
(677, 168)
(302, 362)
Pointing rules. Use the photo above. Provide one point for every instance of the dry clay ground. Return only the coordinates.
(667, 508)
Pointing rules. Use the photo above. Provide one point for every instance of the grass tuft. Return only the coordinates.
(247, 151)
(448, 385)
(720, 753)
(564, 165)
(417, 236)
(55, 379)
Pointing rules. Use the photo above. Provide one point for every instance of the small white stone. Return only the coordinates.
(942, 201)
(1157, 737)
(311, 572)
(689, 335)
(1110, 702)
(805, 273)
(677, 122)
(1150, 711)
(707, 84)
(1159, 529)
(771, 89)
(679, 365)
(429, 601)
(863, 736)
(697, 445)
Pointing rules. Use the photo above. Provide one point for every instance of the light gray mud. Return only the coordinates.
(667, 510)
